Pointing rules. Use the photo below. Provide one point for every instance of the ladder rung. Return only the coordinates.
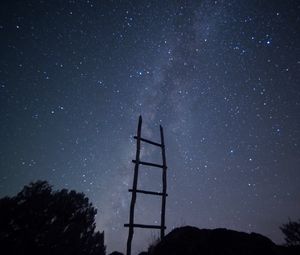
(148, 192)
(144, 226)
(148, 164)
(148, 141)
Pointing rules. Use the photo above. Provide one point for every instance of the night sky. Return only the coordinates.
(221, 77)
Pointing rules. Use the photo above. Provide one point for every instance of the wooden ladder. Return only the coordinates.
(131, 225)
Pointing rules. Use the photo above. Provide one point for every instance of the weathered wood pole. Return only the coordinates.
(134, 187)
(164, 181)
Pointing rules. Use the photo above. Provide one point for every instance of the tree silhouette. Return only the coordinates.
(291, 230)
(41, 221)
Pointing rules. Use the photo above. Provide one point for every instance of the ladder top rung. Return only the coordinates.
(149, 164)
(149, 192)
(148, 141)
(145, 226)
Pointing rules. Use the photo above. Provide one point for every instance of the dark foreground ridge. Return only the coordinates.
(193, 241)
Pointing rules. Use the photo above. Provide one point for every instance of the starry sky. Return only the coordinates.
(221, 77)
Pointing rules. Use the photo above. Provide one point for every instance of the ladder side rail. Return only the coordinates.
(164, 180)
(134, 187)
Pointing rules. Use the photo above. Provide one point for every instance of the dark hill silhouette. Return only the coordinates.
(193, 241)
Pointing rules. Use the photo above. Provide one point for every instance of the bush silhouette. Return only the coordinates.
(291, 230)
(41, 221)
